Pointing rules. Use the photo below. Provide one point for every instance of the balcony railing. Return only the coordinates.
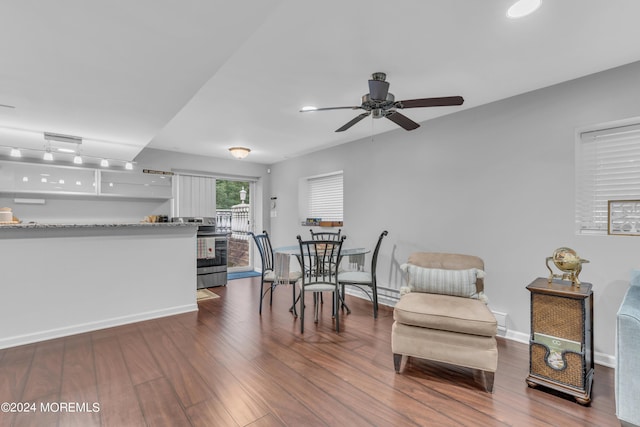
(235, 221)
(223, 220)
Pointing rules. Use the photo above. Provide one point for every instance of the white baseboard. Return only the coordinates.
(94, 326)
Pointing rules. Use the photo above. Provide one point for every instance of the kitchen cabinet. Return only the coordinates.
(33, 178)
(43, 179)
(135, 184)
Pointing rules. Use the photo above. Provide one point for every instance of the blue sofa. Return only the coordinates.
(628, 355)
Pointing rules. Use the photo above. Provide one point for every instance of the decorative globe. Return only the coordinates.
(566, 260)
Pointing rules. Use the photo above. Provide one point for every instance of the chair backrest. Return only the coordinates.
(265, 249)
(449, 262)
(281, 267)
(326, 235)
(319, 260)
(374, 258)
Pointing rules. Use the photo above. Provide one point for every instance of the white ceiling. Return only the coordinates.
(202, 76)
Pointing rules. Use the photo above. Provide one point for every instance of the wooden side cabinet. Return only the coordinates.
(561, 341)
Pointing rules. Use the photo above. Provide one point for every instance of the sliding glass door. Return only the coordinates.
(234, 211)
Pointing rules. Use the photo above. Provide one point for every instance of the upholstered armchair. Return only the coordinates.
(442, 314)
(627, 351)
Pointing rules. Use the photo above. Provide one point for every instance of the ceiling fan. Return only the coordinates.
(380, 103)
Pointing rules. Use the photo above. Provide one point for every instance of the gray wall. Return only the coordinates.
(495, 181)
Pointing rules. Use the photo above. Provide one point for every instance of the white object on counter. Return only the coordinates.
(6, 215)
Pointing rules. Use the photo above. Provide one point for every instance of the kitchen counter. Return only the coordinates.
(29, 229)
(38, 225)
(63, 279)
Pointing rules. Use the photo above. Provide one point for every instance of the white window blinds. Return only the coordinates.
(195, 196)
(325, 197)
(607, 168)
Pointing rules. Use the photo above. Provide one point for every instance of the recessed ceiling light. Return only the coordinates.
(523, 8)
(308, 108)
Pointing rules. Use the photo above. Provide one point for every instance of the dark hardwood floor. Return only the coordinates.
(227, 366)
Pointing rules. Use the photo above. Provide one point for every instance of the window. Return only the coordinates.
(607, 168)
(322, 197)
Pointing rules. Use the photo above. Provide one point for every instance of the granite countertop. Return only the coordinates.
(36, 225)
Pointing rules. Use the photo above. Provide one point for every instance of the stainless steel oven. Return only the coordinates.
(211, 252)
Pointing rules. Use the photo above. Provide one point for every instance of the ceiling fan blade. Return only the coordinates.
(353, 122)
(430, 102)
(330, 108)
(401, 120)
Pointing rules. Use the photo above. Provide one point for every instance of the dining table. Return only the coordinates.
(294, 250)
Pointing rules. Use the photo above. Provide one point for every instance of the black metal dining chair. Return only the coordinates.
(326, 235)
(275, 270)
(364, 280)
(319, 264)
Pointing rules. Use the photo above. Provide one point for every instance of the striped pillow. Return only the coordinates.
(460, 283)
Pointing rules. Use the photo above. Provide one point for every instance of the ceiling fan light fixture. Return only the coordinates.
(522, 8)
(239, 152)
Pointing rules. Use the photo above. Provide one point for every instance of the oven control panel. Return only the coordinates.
(206, 220)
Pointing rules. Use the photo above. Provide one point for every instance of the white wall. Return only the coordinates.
(495, 181)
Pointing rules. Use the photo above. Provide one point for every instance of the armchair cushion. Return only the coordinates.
(443, 312)
(460, 283)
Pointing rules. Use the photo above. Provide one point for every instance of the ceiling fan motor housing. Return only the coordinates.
(371, 104)
(378, 89)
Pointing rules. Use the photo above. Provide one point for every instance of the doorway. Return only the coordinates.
(235, 215)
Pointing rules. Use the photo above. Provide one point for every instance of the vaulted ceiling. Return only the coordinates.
(202, 76)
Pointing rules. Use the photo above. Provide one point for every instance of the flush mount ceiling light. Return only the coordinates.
(15, 153)
(523, 8)
(239, 152)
